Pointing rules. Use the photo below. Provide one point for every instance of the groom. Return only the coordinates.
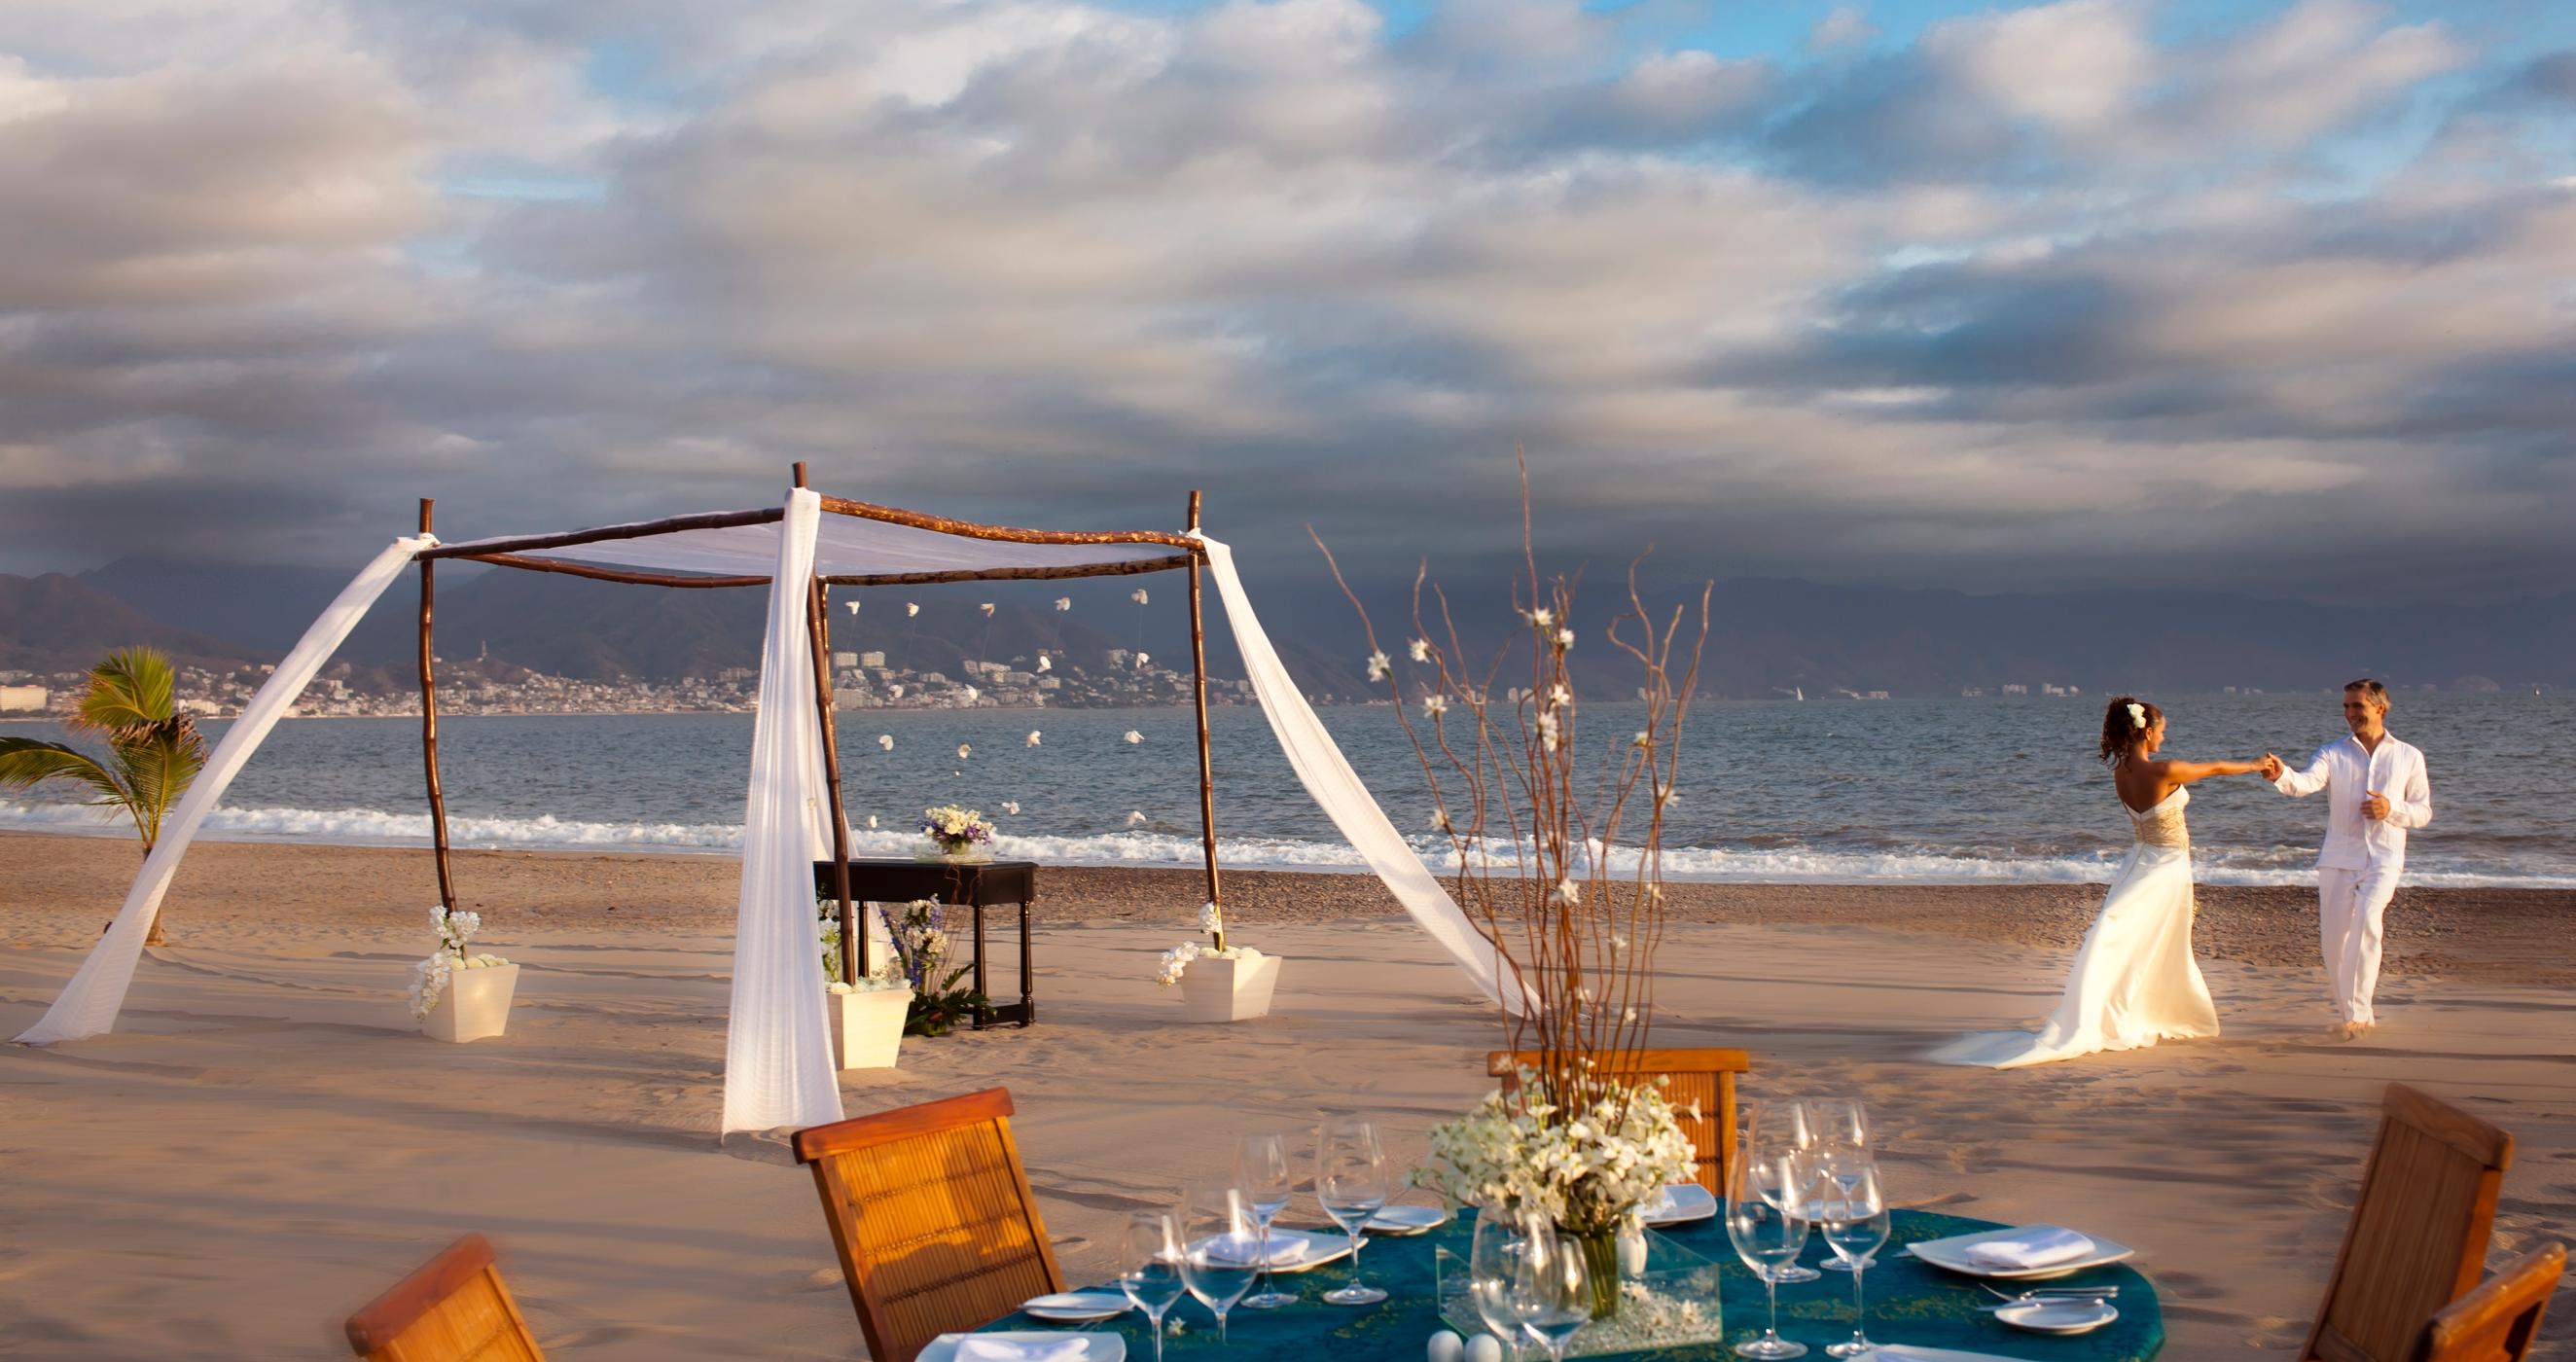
(2375, 790)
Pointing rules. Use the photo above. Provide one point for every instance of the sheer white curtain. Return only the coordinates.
(1337, 789)
(778, 1053)
(90, 1002)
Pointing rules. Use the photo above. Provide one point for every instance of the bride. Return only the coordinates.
(2135, 981)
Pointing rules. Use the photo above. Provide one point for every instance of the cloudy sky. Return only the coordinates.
(2268, 296)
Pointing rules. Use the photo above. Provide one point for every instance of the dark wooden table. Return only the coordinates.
(971, 884)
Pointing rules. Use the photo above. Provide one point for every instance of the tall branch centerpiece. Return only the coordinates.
(1557, 840)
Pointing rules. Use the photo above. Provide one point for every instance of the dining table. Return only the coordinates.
(1911, 1303)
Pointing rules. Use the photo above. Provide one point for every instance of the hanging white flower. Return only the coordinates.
(1045, 663)
(885, 741)
(1133, 736)
(1567, 891)
(1669, 798)
(1011, 807)
(1419, 649)
(1440, 820)
(1377, 666)
(1564, 639)
(1540, 618)
(1135, 818)
(1643, 738)
(872, 822)
(971, 693)
(1142, 659)
(1433, 706)
(1559, 695)
(854, 607)
(963, 750)
(1137, 595)
(1064, 602)
(987, 608)
(910, 609)
(1033, 737)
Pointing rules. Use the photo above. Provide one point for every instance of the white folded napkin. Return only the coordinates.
(1286, 1246)
(2031, 1246)
(990, 1348)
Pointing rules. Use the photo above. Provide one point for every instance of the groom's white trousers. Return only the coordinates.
(2350, 904)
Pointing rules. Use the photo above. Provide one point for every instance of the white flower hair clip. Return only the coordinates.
(2137, 715)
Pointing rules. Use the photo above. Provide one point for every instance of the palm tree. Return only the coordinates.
(153, 753)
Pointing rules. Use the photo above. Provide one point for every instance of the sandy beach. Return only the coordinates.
(266, 1142)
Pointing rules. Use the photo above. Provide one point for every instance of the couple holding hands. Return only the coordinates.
(2135, 981)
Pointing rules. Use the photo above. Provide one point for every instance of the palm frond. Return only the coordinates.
(26, 762)
(130, 689)
(157, 772)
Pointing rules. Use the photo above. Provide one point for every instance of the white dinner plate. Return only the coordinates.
(1951, 1255)
(1076, 1307)
(2076, 1316)
(1322, 1246)
(1687, 1201)
(1403, 1220)
(1095, 1347)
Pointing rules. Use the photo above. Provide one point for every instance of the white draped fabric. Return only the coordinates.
(1337, 790)
(89, 1003)
(778, 1052)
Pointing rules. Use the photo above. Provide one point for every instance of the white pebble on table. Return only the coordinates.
(1446, 1347)
(1484, 1348)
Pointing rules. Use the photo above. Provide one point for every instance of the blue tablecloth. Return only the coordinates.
(1909, 1302)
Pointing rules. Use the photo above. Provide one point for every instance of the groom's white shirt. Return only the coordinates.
(2348, 772)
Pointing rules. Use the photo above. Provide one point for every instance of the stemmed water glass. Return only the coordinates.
(1150, 1272)
(1853, 1214)
(1493, 1259)
(1551, 1286)
(1777, 1131)
(1219, 1256)
(1261, 1169)
(1837, 1131)
(1768, 1236)
(1350, 1179)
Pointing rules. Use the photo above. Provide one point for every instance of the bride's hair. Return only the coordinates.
(2125, 720)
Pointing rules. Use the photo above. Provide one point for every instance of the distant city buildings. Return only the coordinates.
(22, 699)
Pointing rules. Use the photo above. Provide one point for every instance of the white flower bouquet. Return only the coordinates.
(1176, 961)
(429, 977)
(956, 831)
(1583, 1169)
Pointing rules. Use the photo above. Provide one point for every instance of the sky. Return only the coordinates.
(2264, 297)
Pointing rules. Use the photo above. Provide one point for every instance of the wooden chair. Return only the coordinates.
(2418, 1236)
(454, 1309)
(1703, 1076)
(932, 1216)
(2498, 1321)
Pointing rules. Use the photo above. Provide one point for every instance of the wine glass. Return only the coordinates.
(1551, 1286)
(1853, 1214)
(1838, 1132)
(1350, 1179)
(1768, 1236)
(1221, 1252)
(1261, 1169)
(1150, 1272)
(1777, 1130)
(1492, 1260)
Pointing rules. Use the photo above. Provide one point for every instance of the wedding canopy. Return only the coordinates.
(778, 1065)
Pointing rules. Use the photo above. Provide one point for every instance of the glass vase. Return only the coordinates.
(1601, 1268)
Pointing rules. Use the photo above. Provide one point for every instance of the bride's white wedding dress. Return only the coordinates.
(2135, 981)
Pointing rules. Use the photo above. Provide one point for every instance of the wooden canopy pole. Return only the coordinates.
(818, 626)
(1198, 688)
(429, 722)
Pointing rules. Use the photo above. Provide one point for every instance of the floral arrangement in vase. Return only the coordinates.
(1558, 862)
(939, 1004)
(1176, 961)
(429, 977)
(884, 974)
(960, 834)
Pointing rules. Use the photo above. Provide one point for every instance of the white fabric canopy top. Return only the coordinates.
(778, 1064)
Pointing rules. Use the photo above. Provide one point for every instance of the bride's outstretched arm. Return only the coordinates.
(2185, 772)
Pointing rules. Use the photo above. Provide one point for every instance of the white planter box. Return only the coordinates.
(867, 1028)
(475, 1004)
(1215, 990)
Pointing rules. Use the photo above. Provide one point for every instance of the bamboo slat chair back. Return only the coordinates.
(1703, 1076)
(2418, 1236)
(454, 1309)
(932, 1216)
(2498, 1321)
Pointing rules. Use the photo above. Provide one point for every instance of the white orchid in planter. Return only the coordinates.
(429, 977)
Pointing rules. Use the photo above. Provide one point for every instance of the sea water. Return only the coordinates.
(1926, 791)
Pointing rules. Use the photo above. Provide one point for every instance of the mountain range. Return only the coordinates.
(1766, 634)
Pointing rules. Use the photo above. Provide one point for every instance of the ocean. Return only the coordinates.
(1985, 790)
